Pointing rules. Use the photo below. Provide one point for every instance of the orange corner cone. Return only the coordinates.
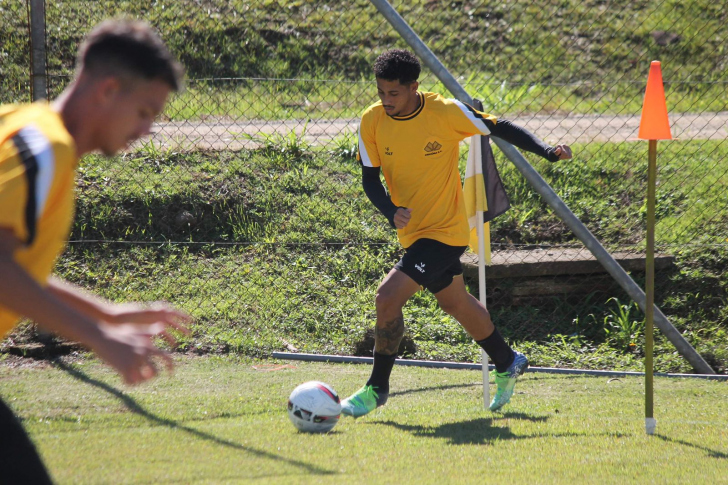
(654, 124)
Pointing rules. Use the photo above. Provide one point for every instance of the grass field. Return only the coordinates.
(223, 420)
(290, 192)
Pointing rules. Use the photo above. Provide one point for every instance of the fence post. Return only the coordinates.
(38, 79)
(545, 190)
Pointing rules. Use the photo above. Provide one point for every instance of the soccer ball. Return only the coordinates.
(314, 407)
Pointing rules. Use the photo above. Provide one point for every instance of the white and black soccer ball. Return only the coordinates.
(314, 407)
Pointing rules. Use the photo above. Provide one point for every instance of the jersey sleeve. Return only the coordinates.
(368, 154)
(26, 174)
(468, 121)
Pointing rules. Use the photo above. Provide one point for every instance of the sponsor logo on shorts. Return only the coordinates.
(420, 267)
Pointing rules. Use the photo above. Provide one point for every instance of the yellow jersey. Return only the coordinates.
(37, 179)
(418, 155)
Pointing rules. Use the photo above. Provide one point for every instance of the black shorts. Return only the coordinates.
(432, 264)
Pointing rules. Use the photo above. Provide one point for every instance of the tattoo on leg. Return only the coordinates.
(388, 336)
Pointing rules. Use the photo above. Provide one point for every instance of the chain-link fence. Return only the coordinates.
(245, 206)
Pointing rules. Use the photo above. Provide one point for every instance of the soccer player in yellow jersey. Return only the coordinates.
(123, 78)
(413, 137)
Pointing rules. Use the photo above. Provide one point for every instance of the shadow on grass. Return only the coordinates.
(482, 431)
(433, 388)
(134, 407)
(530, 376)
(710, 452)
(473, 432)
(545, 376)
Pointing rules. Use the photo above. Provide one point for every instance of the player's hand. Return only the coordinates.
(129, 348)
(402, 217)
(155, 314)
(563, 152)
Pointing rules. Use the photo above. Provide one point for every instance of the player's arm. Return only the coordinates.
(117, 313)
(376, 192)
(367, 155)
(466, 120)
(20, 293)
(90, 305)
(398, 217)
(525, 140)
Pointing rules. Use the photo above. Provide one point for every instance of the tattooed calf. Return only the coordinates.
(388, 336)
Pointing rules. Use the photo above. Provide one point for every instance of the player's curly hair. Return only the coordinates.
(397, 64)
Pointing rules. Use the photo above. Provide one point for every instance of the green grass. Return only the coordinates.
(288, 192)
(283, 193)
(222, 420)
(519, 56)
(606, 186)
(256, 299)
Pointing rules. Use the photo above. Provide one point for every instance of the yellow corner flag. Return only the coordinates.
(475, 196)
(483, 188)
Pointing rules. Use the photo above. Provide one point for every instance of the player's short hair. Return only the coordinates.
(397, 65)
(129, 50)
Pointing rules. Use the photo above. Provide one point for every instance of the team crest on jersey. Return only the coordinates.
(387, 151)
(432, 148)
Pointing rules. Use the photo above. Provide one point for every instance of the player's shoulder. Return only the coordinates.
(39, 126)
(454, 107)
(373, 113)
(438, 102)
(433, 98)
(9, 118)
(7, 110)
(14, 117)
(373, 109)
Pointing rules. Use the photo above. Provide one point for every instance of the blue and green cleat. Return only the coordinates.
(506, 381)
(363, 401)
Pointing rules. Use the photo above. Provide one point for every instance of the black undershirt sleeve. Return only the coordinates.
(376, 193)
(522, 138)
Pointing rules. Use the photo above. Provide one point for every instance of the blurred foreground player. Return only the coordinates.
(123, 78)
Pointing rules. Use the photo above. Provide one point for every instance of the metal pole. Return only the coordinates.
(543, 188)
(39, 81)
(346, 359)
(481, 290)
(650, 287)
(350, 359)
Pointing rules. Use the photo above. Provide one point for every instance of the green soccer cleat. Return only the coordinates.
(363, 401)
(506, 381)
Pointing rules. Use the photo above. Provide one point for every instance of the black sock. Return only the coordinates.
(380, 372)
(498, 350)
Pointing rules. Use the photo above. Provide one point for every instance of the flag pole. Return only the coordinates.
(481, 288)
(650, 422)
(654, 126)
